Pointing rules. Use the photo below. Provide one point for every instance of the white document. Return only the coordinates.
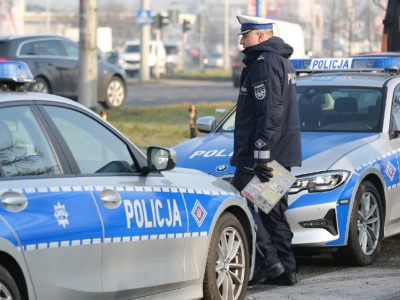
(266, 194)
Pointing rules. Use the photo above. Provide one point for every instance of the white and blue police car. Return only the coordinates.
(346, 199)
(84, 214)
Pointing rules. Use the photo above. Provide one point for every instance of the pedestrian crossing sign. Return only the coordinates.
(143, 17)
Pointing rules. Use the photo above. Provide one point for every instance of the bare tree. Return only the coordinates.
(330, 20)
(350, 13)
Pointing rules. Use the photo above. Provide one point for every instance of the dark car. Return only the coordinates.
(237, 67)
(54, 62)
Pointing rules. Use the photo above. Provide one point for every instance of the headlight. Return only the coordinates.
(319, 182)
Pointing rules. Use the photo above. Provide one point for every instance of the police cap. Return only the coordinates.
(249, 23)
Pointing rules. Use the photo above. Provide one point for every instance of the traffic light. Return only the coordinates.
(159, 21)
(185, 26)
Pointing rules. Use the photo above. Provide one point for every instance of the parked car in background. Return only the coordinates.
(130, 57)
(214, 60)
(237, 67)
(84, 214)
(54, 62)
(346, 199)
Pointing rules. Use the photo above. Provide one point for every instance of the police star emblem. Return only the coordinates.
(61, 214)
(259, 91)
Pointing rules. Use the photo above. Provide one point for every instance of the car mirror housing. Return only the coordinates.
(160, 159)
(206, 124)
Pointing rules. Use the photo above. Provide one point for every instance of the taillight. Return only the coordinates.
(238, 63)
(2, 59)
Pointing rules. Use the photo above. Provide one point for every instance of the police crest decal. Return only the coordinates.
(260, 91)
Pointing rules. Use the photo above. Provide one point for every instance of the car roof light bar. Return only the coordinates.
(347, 64)
(14, 74)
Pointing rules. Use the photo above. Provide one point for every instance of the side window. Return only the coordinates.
(94, 147)
(48, 48)
(27, 49)
(229, 124)
(396, 109)
(24, 148)
(71, 49)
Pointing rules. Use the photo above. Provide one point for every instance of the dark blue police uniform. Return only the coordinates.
(267, 128)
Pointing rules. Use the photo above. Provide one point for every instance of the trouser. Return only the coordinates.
(273, 233)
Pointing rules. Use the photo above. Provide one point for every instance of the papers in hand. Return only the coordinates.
(266, 194)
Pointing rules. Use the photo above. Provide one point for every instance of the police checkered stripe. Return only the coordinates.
(113, 240)
(377, 159)
(56, 189)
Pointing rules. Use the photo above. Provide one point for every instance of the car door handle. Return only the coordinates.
(110, 198)
(13, 201)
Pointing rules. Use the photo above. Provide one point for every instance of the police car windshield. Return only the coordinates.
(333, 109)
(339, 109)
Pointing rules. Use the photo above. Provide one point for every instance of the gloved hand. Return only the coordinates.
(262, 171)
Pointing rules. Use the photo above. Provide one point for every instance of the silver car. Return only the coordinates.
(346, 197)
(85, 215)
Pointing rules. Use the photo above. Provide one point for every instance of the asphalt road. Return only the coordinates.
(320, 278)
(165, 92)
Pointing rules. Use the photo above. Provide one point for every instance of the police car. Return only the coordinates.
(347, 195)
(85, 215)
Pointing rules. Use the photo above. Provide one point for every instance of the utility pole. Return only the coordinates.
(185, 29)
(87, 94)
(226, 35)
(48, 16)
(145, 46)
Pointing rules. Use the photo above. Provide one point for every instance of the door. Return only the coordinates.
(54, 217)
(145, 218)
(47, 57)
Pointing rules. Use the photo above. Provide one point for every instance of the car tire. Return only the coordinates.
(41, 85)
(8, 287)
(115, 94)
(366, 229)
(227, 268)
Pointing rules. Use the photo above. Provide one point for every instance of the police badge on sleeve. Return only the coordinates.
(260, 91)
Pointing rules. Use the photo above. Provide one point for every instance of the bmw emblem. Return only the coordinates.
(221, 168)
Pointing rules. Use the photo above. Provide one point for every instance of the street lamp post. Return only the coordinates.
(145, 44)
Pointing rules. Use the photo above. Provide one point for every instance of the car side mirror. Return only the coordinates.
(160, 159)
(206, 124)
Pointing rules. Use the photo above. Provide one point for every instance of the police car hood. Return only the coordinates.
(320, 150)
(211, 153)
(196, 179)
(208, 153)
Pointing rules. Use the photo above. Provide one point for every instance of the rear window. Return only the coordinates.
(42, 48)
(3, 50)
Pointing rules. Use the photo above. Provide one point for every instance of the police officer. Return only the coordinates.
(267, 128)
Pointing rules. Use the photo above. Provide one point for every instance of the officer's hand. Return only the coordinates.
(263, 172)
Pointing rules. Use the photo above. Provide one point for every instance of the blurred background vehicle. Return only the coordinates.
(215, 60)
(114, 57)
(130, 57)
(54, 62)
(175, 57)
(237, 66)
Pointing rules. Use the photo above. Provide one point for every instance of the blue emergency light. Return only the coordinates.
(16, 72)
(347, 64)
